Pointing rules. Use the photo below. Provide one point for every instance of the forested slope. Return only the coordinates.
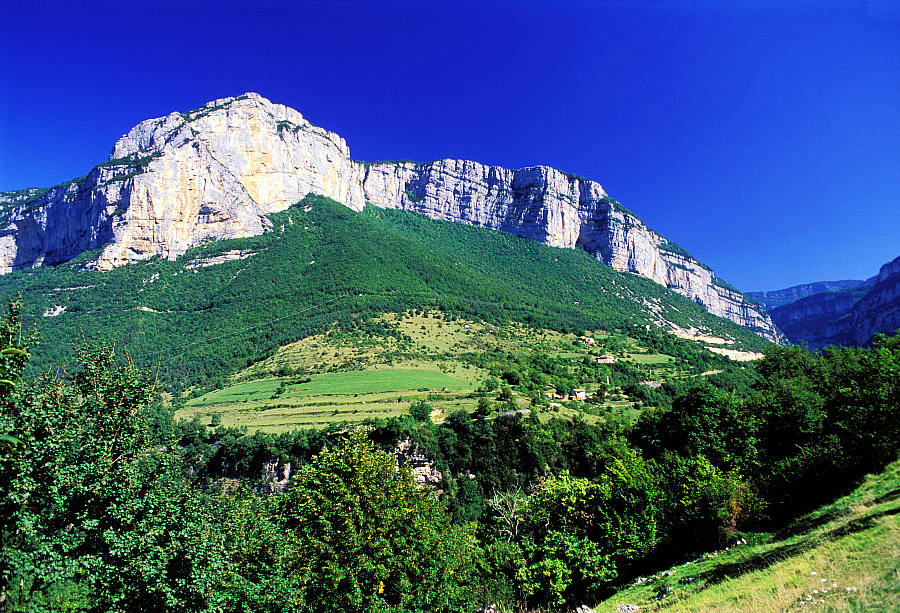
(232, 302)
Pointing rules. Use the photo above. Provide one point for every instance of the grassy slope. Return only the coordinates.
(853, 543)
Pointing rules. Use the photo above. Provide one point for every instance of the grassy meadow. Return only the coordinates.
(278, 404)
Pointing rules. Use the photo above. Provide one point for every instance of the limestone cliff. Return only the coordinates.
(174, 182)
(216, 172)
(560, 210)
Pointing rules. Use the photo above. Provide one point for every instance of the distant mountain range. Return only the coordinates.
(780, 297)
(220, 171)
(837, 312)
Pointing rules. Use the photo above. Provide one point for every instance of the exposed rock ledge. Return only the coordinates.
(174, 182)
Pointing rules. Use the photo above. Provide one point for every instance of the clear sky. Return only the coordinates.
(761, 135)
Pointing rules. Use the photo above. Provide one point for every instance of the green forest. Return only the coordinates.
(109, 505)
(112, 504)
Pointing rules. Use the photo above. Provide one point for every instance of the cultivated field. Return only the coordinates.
(280, 404)
(349, 377)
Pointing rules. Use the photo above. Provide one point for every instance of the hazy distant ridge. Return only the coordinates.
(850, 316)
(779, 297)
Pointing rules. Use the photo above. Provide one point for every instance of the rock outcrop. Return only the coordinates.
(407, 454)
(879, 310)
(216, 172)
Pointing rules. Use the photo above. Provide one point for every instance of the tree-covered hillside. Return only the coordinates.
(107, 505)
(230, 303)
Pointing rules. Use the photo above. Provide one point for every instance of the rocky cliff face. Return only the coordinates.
(879, 310)
(847, 317)
(177, 181)
(407, 453)
(560, 210)
(174, 182)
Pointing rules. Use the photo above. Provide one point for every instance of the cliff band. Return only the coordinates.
(216, 172)
(848, 317)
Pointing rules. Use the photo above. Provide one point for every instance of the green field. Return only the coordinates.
(336, 377)
(383, 380)
(279, 404)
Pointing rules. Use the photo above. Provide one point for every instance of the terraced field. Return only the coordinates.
(279, 404)
(348, 377)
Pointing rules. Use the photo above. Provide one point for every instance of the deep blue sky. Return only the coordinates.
(761, 135)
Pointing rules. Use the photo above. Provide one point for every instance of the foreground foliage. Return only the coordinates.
(107, 505)
(98, 516)
(844, 556)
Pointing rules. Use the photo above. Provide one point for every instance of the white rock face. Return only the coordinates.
(560, 210)
(177, 181)
(174, 182)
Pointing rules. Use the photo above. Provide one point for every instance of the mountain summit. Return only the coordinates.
(217, 172)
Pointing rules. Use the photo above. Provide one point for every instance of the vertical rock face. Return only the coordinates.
(177, 181)
(407, 453)
(879, 310)
(560, 210)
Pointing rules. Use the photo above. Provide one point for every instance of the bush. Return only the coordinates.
(369, 539)
(420, 411)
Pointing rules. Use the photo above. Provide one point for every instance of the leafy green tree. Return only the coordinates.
(484, 408)
(92, 513)
(863, 405)
(699, 503)
(702, 421)
(267, 571)
(825, 420)
(420, 411)
(787, 403)
(575, 532)
(369, 539)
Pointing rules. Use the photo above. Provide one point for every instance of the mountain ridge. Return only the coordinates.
(227, 304)
(180, 180)
(850, 316)
(771, 299)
